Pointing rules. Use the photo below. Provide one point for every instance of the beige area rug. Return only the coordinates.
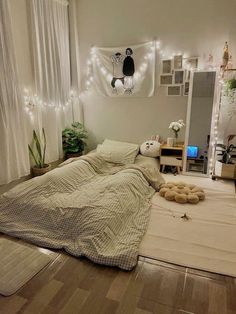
(206, 241)
(18, 264)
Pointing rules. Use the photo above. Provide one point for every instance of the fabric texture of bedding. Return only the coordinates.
(118, 152)
(88, 207)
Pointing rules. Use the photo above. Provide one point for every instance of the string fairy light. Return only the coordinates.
(32, 102)
(215, 128)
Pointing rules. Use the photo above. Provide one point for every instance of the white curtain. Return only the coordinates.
(50, 37)
(14, 157)
(78, 113)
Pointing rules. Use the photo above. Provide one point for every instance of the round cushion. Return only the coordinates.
(201, 195)
(170, 195)
(181, 198)
(193, 198)
(163, 191)
(182, 193)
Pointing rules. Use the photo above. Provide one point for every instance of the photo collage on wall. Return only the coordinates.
(175, 74)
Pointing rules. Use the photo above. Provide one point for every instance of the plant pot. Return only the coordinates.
(73, 155)
(225, 170)
(36, 171)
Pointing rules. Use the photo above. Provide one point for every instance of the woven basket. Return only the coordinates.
(40, 171)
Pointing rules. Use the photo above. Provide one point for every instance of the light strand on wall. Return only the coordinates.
(32, 101)
(214, 141)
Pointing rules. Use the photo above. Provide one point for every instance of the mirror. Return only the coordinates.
(199, 118)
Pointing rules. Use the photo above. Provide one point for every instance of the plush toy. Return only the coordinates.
(182, 193)
(151, 148)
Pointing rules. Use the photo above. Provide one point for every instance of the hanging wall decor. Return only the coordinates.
(176, 74)
(123, 71)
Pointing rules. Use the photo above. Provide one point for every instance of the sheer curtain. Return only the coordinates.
(50, 39)
(14, 158)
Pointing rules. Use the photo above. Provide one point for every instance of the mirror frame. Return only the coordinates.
(215, 109)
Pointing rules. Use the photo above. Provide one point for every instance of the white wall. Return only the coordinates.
(196, 28)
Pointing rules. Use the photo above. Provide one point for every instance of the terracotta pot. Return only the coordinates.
(40, 171)
(72, 155)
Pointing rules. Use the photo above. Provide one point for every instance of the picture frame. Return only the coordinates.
(191, 63)
(187, 75)
(174, 90)
(166, 66)
(178, 62)
(179, 77)
(166, 79)
(186, 88)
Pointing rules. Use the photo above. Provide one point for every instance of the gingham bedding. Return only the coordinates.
(88, 207)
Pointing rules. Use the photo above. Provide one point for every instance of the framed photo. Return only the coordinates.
(174, 90)
(178, 62)
(187, 75)
(179, 77)
(186, 89)
(166, 79)
(167, 66)
(191, 63)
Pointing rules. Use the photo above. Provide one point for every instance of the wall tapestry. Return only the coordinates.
(124, 71)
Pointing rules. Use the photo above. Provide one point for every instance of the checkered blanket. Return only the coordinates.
(87, 207)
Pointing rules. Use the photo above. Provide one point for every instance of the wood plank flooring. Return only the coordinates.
(73, 285)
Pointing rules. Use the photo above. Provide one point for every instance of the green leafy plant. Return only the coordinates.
(38, 149)
(73, 138)
(231, 84)
(226, 150)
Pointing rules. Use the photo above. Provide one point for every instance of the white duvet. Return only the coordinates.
(88, 207)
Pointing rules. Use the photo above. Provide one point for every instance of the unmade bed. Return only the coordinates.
(88, 206)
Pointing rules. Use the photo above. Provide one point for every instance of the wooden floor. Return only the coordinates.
(71, 285)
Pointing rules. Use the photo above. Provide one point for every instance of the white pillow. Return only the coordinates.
(118, 152)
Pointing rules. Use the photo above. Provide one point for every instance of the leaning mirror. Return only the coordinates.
(198, 124)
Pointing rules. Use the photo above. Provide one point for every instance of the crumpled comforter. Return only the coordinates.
(88, 207)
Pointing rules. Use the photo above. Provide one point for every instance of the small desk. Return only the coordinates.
(172, 156)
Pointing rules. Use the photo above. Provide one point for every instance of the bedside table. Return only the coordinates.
(171, 156)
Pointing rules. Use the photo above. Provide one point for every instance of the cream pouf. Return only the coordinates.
(182, 193)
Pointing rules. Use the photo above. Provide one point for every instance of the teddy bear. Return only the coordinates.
(181, 192)
(151, 148)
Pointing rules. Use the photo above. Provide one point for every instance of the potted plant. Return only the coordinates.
(231, 84)
(73, 140)
(37, 151)
(225, 167)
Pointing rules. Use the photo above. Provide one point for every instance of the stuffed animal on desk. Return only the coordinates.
(151, 148)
